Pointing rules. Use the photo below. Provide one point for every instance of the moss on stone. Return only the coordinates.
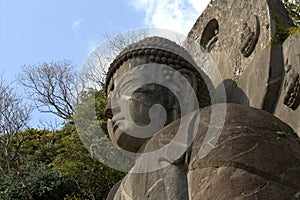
(295, 134)
(294, 30)
(280, 133)
(282, 33)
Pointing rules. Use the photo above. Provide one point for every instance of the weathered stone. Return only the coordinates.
(256, 154)
(227, 182)
(155, 49)
(256, 157)
(240, 36)
(288, 108)
(167, 183)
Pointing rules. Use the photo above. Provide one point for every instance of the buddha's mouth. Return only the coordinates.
(292, 97)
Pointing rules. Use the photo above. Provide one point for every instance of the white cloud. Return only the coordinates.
(76, 24)
(199, 5)
(175, 15)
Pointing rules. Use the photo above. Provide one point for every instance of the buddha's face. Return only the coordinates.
(138, 104)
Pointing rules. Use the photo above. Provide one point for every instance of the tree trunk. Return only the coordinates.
(24, 183)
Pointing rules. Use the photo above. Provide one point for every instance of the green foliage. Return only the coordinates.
(57, 165)
(282, 33)
(99, 178)
(11, 187)
(281, 133)
(93, 179)
(45, 183)
(294, 30)
(96, 100)
(39, 146)
(293, 8)
(295, 134)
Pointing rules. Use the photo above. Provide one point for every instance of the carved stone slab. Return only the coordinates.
(288, 108)
(239, 36)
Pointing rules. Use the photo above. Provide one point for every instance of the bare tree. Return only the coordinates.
(117, 43)
(14, 116)
(56, 88)
(52, 86)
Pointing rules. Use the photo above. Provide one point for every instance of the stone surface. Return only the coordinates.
(256, 157)
(150, 52)
(238, 36)
(288, 108)
(227, 182)
(156, 50)
(167, 183)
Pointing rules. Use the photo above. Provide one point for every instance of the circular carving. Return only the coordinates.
(210, 35)
(249, 36)
(291, 87)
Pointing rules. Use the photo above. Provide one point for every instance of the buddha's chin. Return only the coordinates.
(122, 140)
(111, 132)
(114, 130)
(115, 133)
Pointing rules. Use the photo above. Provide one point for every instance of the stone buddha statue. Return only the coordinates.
(197, 151)
(162, 58)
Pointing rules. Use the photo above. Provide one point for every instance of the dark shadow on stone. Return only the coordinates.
(234, 94)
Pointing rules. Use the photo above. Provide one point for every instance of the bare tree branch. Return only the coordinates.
(96, 64)
(14, 116)
(52, 86)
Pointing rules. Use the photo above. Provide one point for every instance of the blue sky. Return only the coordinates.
(34, 31)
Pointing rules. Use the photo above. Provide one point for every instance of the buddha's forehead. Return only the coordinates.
(125, 67)
(154, 50)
